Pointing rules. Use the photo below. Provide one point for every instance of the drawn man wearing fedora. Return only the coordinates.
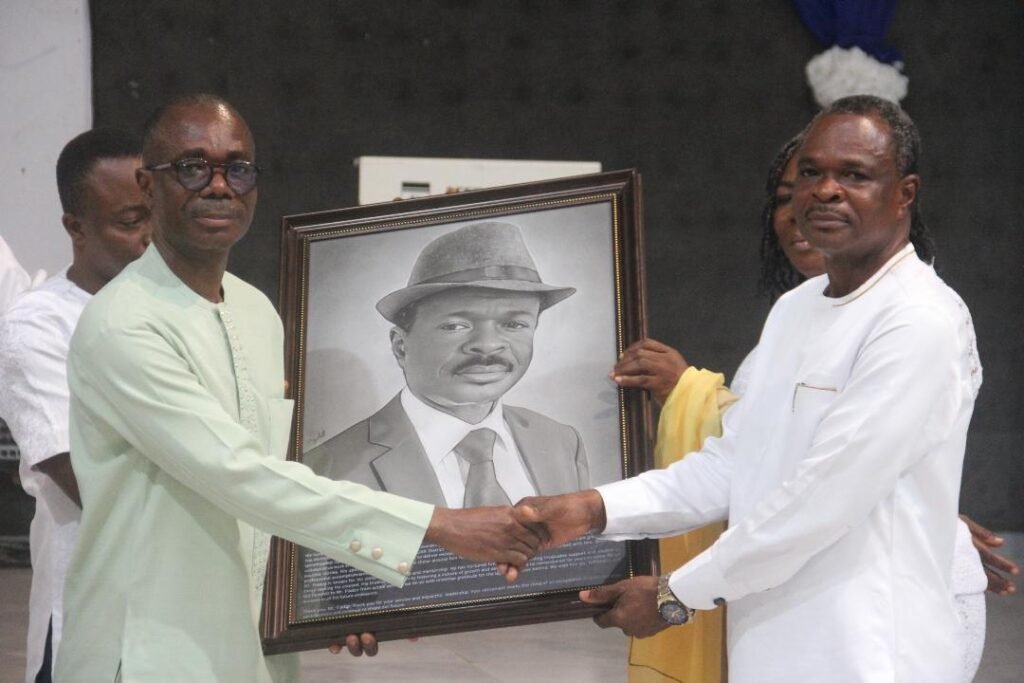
(463, 336)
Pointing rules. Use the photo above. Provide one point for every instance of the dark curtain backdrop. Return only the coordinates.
(697, 95)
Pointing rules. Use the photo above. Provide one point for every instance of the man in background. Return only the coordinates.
(107, 218)
(13, 278)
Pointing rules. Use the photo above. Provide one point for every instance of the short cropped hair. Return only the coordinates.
(902, 130)
(153, 130)
(906, 143)
(79, 156)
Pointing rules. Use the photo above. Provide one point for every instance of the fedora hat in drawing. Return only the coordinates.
(489, 255)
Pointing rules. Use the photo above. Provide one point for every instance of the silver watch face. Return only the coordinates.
(674, 613)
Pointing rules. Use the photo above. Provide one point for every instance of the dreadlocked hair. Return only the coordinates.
(778, 276)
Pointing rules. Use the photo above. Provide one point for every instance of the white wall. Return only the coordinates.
(46, 95)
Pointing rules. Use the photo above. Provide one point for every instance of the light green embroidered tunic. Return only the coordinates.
(178, 438)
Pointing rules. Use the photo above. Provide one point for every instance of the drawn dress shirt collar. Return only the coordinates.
(440, 433)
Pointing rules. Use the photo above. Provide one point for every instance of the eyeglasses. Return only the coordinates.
(195, 173)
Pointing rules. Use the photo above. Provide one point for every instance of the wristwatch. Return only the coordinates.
(669, 607)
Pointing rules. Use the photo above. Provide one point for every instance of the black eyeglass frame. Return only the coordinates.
(211, 168)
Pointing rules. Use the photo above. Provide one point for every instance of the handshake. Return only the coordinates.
(510, 536)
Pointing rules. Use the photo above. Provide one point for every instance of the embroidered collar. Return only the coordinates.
(896, 259)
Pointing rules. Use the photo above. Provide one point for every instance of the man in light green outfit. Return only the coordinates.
(178, 434)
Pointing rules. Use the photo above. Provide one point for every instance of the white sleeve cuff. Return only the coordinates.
(626, 506)
(700, 582)
(44, 442)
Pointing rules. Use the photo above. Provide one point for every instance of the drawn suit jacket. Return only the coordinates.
(384, 453)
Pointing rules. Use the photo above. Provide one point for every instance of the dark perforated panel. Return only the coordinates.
(697, 94)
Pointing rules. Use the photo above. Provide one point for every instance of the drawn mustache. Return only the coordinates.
(478, 361)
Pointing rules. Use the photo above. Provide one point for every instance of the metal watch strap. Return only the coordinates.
(668, 602)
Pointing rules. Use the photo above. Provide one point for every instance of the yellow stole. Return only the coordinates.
(693, 653)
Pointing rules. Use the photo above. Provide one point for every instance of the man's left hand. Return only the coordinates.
(358, 645)
(998, 568)
(633, 606)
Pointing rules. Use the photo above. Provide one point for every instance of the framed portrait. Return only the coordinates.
(421, 333)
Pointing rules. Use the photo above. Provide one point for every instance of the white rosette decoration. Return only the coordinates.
(838, 72)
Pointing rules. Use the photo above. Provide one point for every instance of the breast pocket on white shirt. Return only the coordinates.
(813, 395)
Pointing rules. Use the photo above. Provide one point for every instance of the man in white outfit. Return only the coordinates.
(839, 472)
(107, 218)
(13, 278)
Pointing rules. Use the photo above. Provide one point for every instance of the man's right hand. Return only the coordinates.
(487, 534)
(563, 517)
(59, 469)
(649, 364)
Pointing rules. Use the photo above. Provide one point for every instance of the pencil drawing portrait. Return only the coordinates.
(462, 333)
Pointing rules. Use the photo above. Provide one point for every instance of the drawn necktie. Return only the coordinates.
(482, 488)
